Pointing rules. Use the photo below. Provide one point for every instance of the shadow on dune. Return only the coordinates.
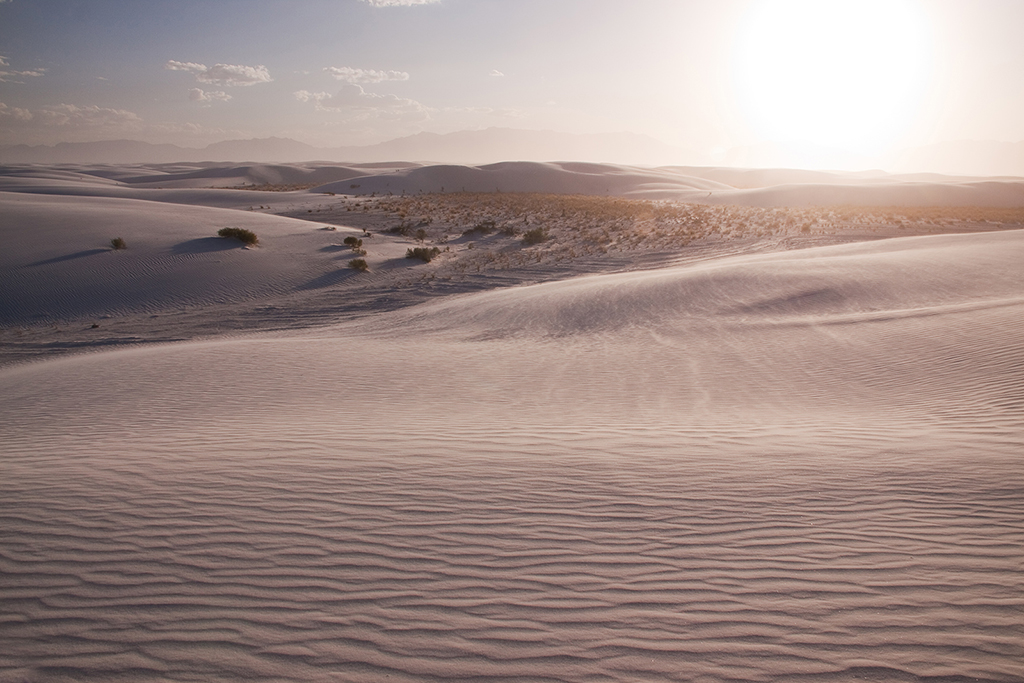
(328, 279)
(69, 257)
(202, 245)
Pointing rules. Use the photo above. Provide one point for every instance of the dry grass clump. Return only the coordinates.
(245, 236)
(487, 231)
(272, 187)
(591, 224)
(425, 254)
(535, 236)
(933, 215)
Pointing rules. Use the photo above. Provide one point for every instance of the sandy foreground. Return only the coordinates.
(710, 428)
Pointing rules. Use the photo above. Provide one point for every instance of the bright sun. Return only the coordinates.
(847, 74)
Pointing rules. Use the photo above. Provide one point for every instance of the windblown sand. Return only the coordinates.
(723, 460)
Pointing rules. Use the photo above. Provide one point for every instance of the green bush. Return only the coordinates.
(425, 254)
(353, 242)
(246, 236)
(535, 236)
(358, 264)
(118, 244)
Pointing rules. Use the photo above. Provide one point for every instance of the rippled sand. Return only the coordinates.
(782, 467)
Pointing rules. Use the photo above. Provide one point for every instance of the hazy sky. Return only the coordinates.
(862, 76)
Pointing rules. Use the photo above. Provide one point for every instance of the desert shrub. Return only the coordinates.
(425, 254)
(535, 236)
(404, 229)
(118, 243)
(482, 228)
(246, 236)
(358, 264)
(421, 234)
(353, 242)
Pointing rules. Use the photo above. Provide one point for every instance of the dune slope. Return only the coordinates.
(58, 262)
(794, 466)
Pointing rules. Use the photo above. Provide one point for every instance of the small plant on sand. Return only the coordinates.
(118, 244)
(535, 236)
(482, 228)
(358, 264)
(246, 236)
(425, 254)
(353, 242)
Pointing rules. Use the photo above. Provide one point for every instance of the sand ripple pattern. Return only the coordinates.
(500, 567)
(762, 486)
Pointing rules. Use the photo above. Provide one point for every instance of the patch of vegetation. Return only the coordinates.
(118, 244)
(358, 264)
(404, 229)
(425, 254)
(535, 236)
(245, 236)
(482, 228)
(352, 241)
(272, 187)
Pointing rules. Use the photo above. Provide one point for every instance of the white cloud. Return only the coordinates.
(17, 113)
(400, 3)
(496, 73)
(360, 105)
(351, 75)
(72, 116)
(200, 95)
(88, 116)
(223, 74)
(307, 96)
(12, 76)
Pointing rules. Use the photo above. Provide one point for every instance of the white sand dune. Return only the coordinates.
(990, 193)
(525, 176)
(63, 267)
(200, 184)
(752, 188)
(724, 471)
(791, 466)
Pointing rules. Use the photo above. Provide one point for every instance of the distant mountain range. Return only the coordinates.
(464, 147)
(980, 158)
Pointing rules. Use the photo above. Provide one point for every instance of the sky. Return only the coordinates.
(841, 82)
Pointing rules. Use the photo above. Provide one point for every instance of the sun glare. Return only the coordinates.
(845, 74)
